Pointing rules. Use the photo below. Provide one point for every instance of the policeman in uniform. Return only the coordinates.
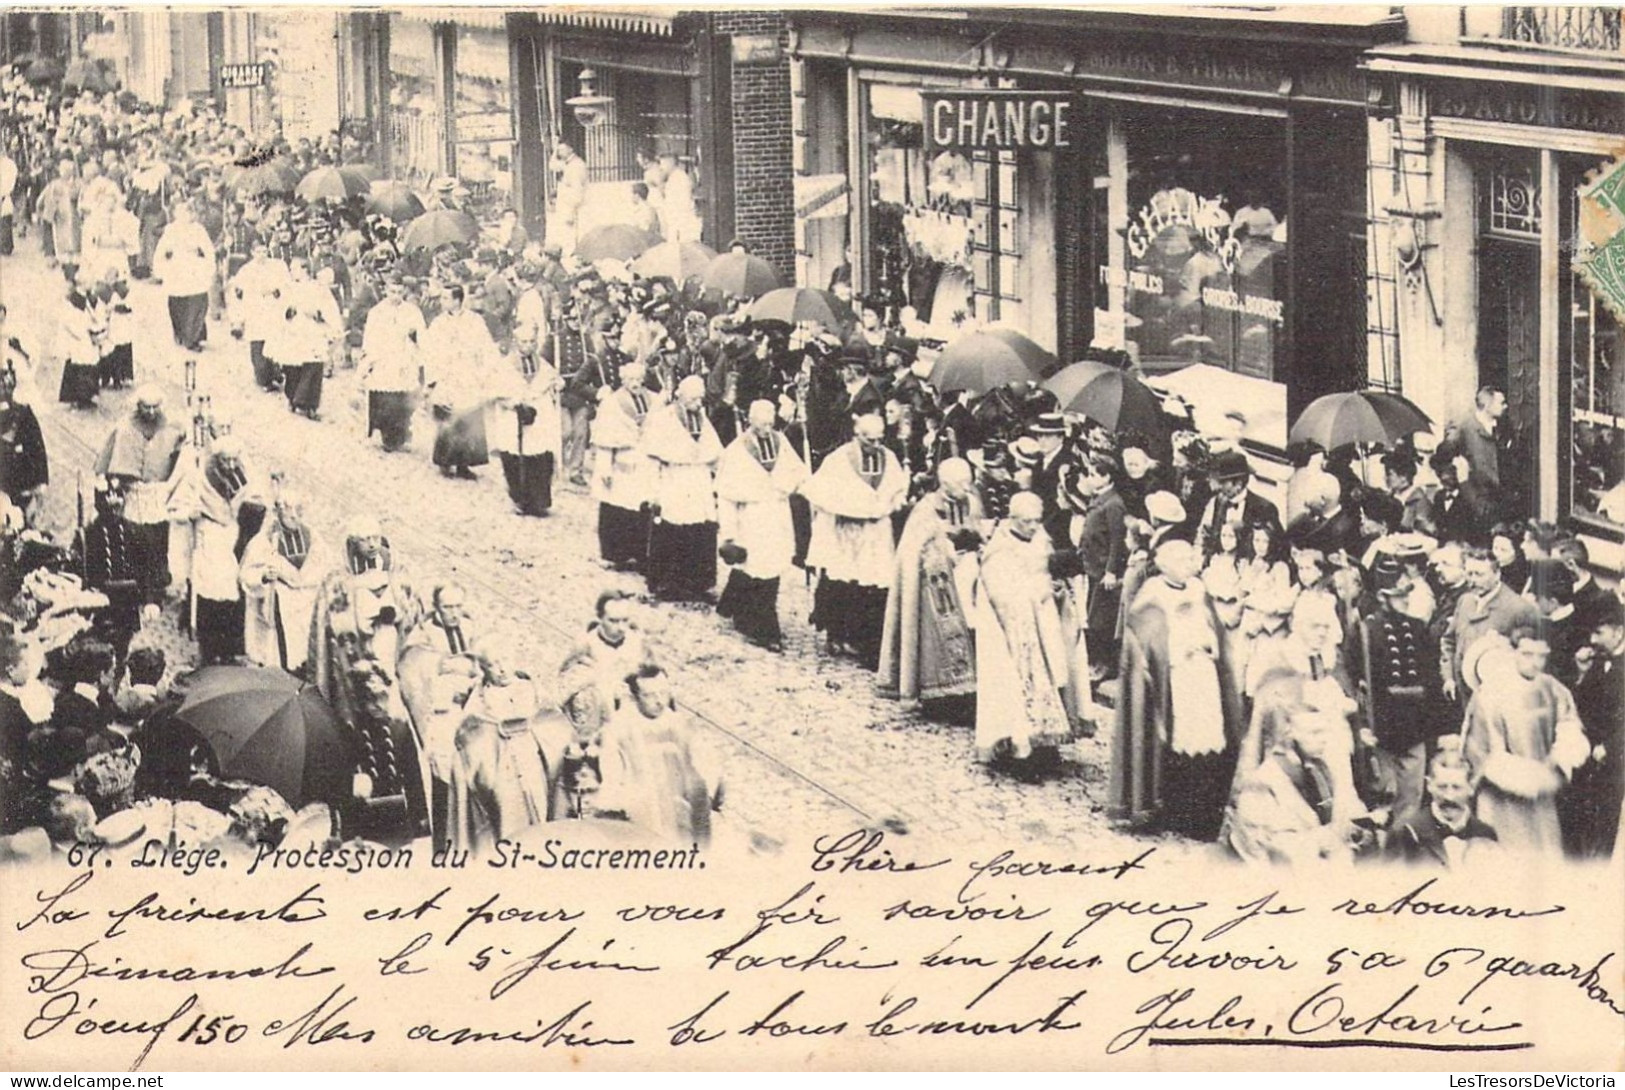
(1395, 658)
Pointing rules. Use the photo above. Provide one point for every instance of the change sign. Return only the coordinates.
(978, 120)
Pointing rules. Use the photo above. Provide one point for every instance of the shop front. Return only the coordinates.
(1097, 187)
(450, 103)
(645, 74)
(1485, 154)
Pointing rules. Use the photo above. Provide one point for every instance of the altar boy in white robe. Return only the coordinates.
(756, 476)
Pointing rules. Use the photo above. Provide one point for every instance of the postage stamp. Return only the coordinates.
(1600, 234)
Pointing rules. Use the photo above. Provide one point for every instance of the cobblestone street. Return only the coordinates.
(809, 744)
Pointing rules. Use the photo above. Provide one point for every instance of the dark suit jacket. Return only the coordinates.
(1103, 549)
(1255, 511)
(1046, 485)
(1421, 840)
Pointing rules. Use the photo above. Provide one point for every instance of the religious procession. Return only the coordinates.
(1079, 572)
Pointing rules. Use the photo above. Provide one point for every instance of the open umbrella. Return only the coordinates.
(1358, 417)
(744, 275)
(330, 184)
(1110, 397)
(270, 728)
(395, 200)
(276, 177)
(614, 242)
(984, 361)
(677, 260)
(44, 70)
(794, 305)
(442, 227)
(362, 172)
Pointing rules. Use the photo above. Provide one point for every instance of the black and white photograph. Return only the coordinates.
(546, 448)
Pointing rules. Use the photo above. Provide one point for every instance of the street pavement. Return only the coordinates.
(808, 743)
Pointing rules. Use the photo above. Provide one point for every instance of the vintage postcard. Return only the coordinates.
(725, 537)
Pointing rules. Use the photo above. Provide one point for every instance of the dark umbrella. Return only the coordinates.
(614, 242)
(44, 70)
(365, 173)
(987, 360)
(676, 261)
(270, 728)
(395, 200)
(1358, 417)
(442, 227)
(1110, 397)
(794, 305)
(330, 184)
(744, 275)
(277, 177)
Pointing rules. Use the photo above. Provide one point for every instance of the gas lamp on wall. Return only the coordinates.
(590, 107)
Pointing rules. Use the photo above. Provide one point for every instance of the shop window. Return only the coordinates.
(1204, 254)
(483, 127)
(928, 217)
(415, 125)
(648, 114)
(1596, 360)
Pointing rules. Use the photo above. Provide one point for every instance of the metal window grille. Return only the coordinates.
(1513, 197)
(1592, 29)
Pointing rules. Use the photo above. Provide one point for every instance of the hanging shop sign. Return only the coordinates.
(484, 128)
(988, 120)
(242, 75)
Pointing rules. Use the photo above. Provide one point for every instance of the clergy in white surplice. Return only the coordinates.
(682, 449)
(756, 476)
(852, 496)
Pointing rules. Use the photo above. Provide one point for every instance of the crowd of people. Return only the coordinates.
(1400, 666)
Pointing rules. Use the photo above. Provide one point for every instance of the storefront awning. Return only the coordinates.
(484, 18)
(626, 20)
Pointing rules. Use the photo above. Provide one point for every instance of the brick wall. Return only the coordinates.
(763, 179)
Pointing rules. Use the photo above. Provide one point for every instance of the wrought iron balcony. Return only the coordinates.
(1576, 29)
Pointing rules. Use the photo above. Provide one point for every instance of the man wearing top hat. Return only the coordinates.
(862, 395)
(1098, 542)
(1233, 502)
(1053, 463)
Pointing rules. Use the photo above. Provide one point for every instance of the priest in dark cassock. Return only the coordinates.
(1178, 714)
(756, 476)
(926, 651)
(852, 496)
(620, 473)
(682, 449)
